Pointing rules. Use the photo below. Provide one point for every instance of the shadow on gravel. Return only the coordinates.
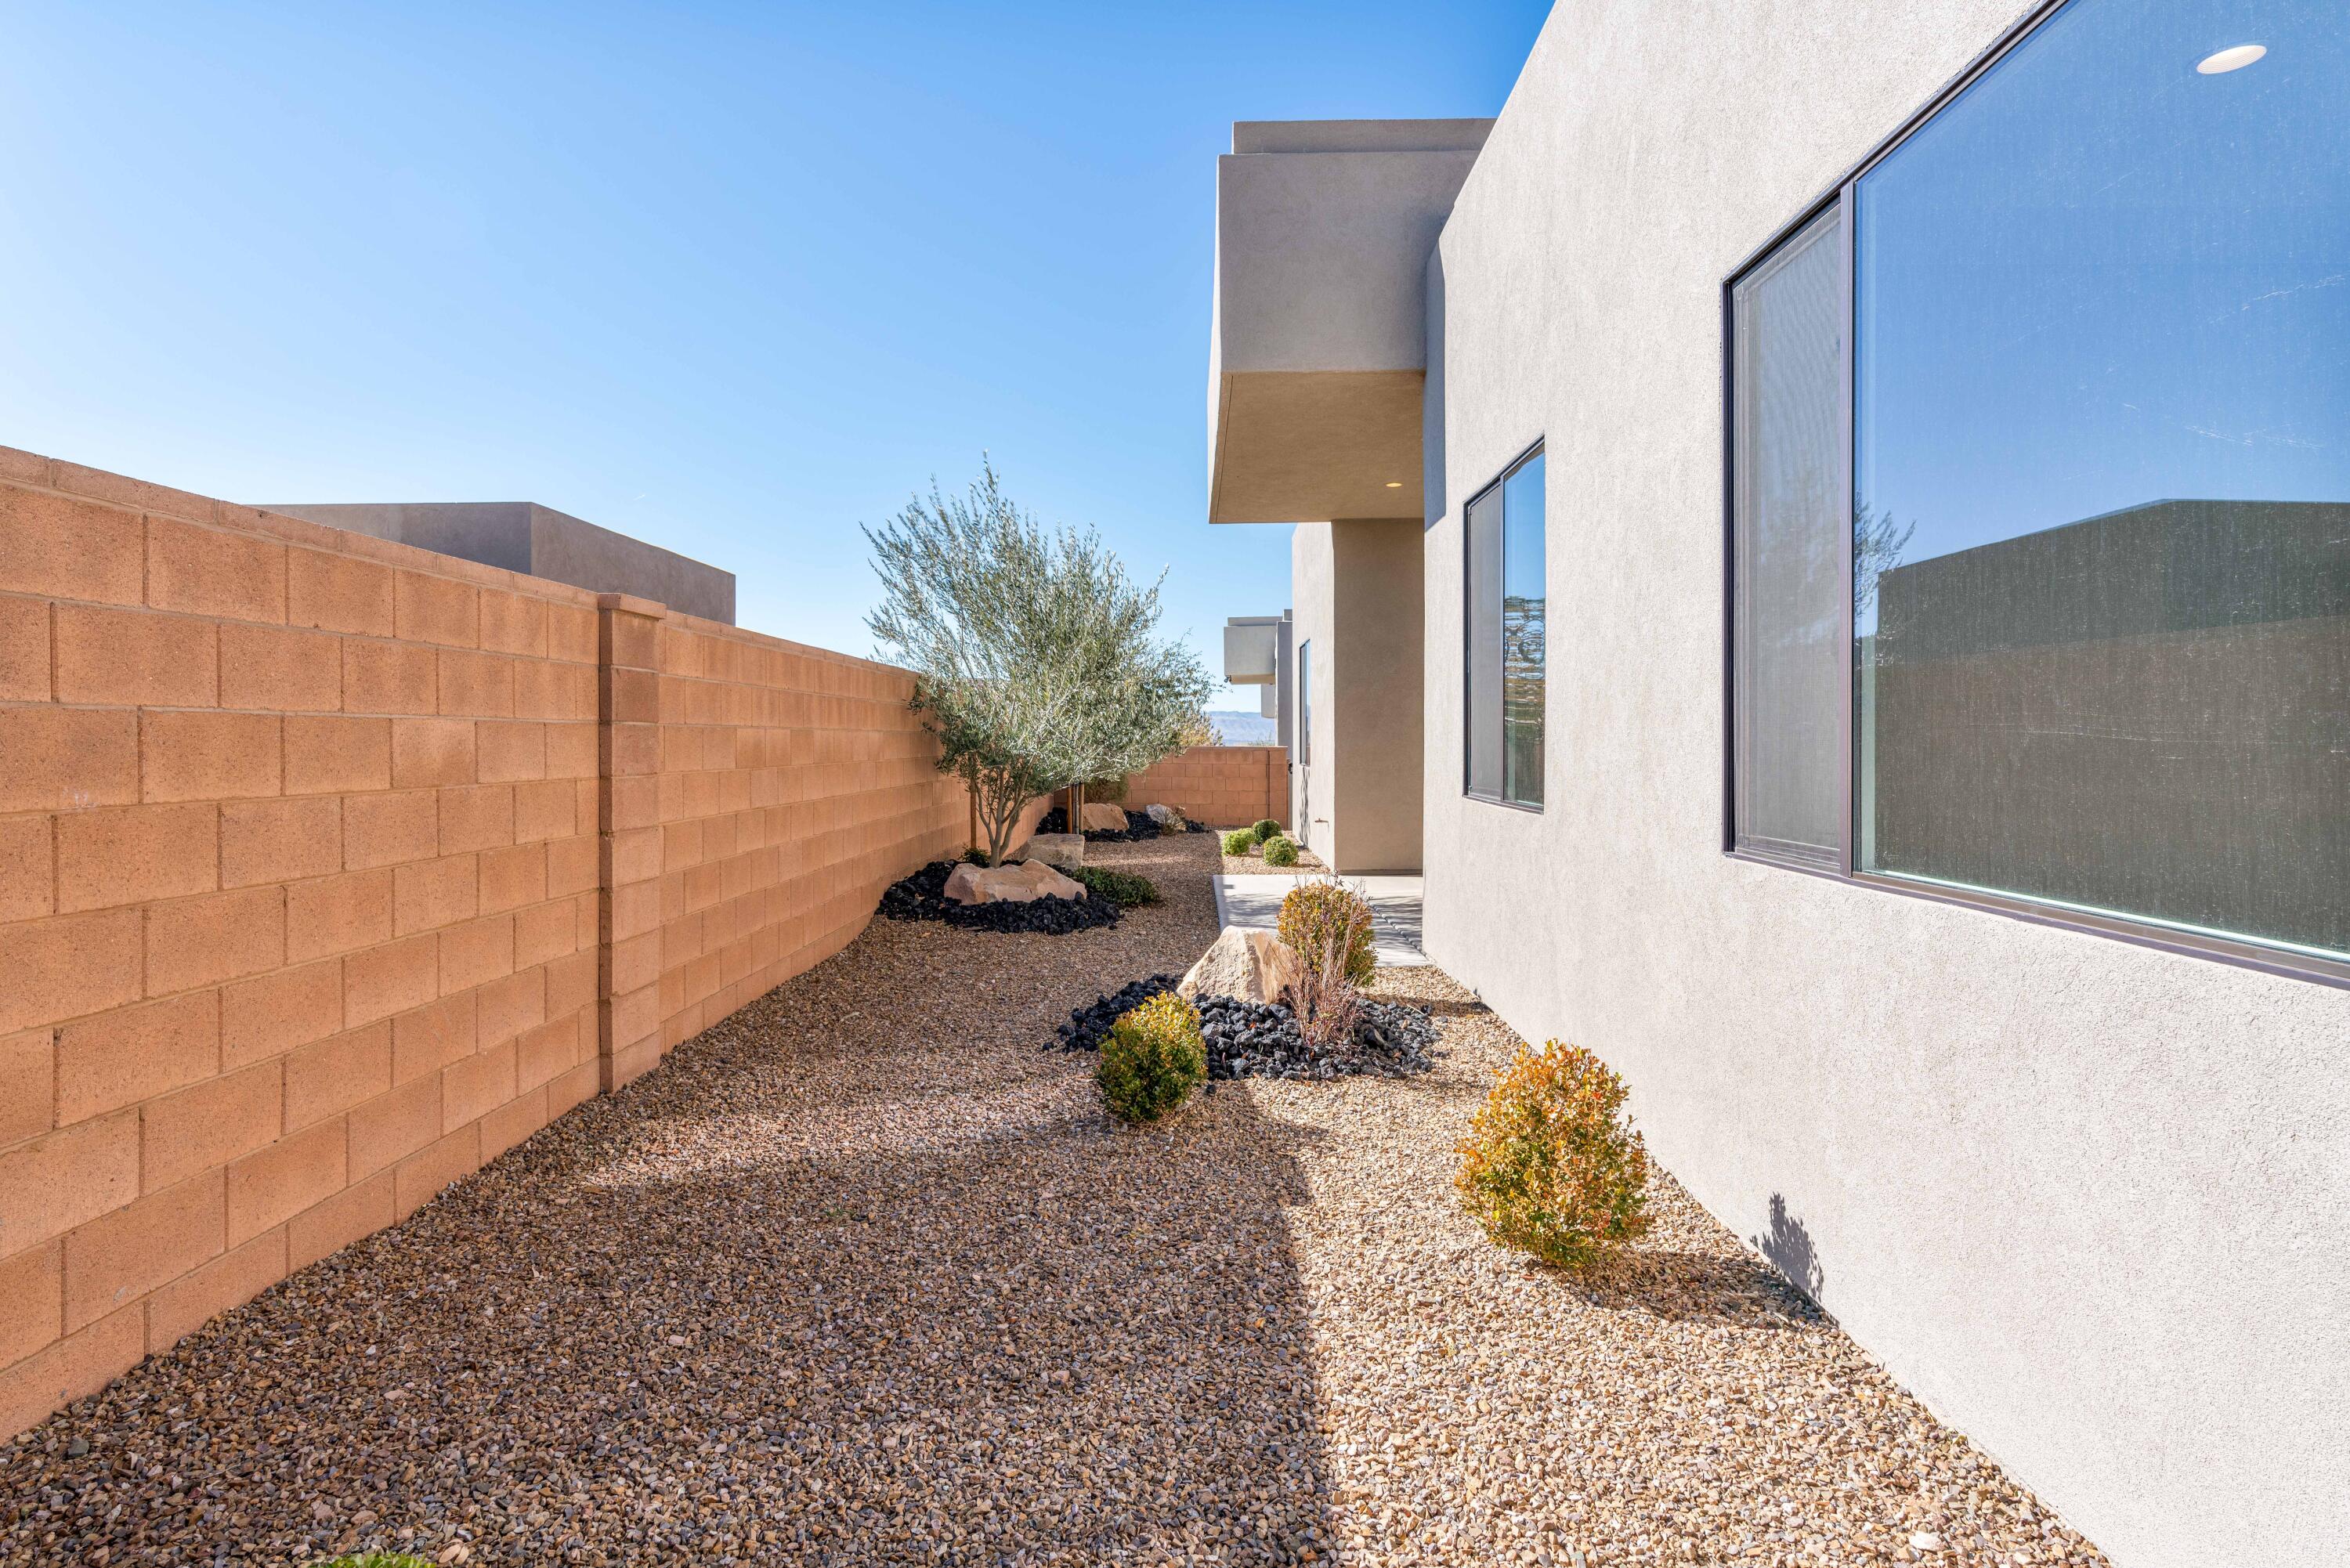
(752, 1310)
(1679, 1286)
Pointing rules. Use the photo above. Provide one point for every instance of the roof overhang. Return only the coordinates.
(1319, 349)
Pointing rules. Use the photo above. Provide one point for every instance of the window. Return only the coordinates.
(1305, 703)
(2088, 432)
(1788, 575)
(1506, 599)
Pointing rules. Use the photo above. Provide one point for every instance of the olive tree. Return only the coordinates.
(1036, 658)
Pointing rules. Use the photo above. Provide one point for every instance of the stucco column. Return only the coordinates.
(628, 967)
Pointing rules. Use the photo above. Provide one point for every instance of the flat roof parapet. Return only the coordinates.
(1359, 135)
(539, 542)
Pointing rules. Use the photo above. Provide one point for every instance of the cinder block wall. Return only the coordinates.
(1223, 786)
(794, 786)
(331, 867)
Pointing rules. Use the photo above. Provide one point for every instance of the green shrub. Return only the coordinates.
(1112, 790)
(1550, 1167)
(1279, 851)
(1123, 888)
(1264, 828)
(975, 856)
(1152, 1059)
(1240, 841)
(1319, 916)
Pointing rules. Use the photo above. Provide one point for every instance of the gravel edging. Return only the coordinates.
(861, 1276)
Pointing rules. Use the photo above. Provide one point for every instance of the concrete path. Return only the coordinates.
(1255, 902)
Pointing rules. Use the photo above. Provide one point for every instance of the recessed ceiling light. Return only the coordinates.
(2227, 60)
(1395, 484)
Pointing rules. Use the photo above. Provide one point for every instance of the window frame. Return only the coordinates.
(1468, 717)
(1840, 196)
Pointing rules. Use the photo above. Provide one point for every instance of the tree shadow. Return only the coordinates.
(1681, 1285)
(1789, 1247)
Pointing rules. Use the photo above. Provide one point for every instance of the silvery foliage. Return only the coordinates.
(1035, 655)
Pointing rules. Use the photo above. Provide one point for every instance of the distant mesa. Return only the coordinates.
(1236, 729)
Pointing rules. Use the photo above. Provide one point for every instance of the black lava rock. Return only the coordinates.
(1088, 1026)
(922, 897)
(1138, 826)
(1257, 1039)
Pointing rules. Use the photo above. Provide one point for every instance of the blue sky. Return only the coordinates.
(732, 278)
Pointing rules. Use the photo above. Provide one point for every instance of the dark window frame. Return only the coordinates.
(1468, 717)
(1841, 196)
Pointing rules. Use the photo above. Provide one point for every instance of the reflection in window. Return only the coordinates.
(2102, 393)
(1506, 601)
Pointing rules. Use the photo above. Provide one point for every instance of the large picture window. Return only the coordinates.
(2094, 541)
(1504, 655)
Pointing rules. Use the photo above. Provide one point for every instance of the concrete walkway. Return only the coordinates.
(1255, 902)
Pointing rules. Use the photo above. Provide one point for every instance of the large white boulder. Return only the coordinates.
(1253, 965)
(1017, 884)
(1102, 815)
(1056, 849)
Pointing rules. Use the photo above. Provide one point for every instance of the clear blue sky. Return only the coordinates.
(732, 278)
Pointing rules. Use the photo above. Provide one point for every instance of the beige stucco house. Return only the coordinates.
(1821, 531)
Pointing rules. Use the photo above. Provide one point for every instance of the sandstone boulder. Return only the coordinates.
(1016, 884)
(1056, 849)
(1101, 815)
(1253, 965)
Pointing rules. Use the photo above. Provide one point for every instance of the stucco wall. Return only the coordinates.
(1357, 587)
(1377, 570)
(2086, 1198)
(1314, 763)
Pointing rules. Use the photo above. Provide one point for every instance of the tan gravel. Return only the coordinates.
(1308, 865)
(863, 1276)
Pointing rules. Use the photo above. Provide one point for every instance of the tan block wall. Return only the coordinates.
(1223, 786)
(331, 868)
(794, 784)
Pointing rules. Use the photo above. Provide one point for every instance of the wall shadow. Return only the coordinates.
(727, 1315)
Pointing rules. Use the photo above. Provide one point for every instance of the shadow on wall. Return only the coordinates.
(1789, 1248)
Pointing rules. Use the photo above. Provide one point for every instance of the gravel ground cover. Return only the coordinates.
(862, 1276)
(1308, 864)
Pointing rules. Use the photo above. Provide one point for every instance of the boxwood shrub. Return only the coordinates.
(1550, 1165)
(1152, 1059)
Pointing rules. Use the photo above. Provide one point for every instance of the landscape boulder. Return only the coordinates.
(1104, 816)
(1022, 883)
(1253, 965)
(1056, 849)
(1161, 815)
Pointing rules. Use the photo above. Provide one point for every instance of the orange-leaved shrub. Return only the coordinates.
(1152, 1058)
(1321, 915)
(1551, 1166)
